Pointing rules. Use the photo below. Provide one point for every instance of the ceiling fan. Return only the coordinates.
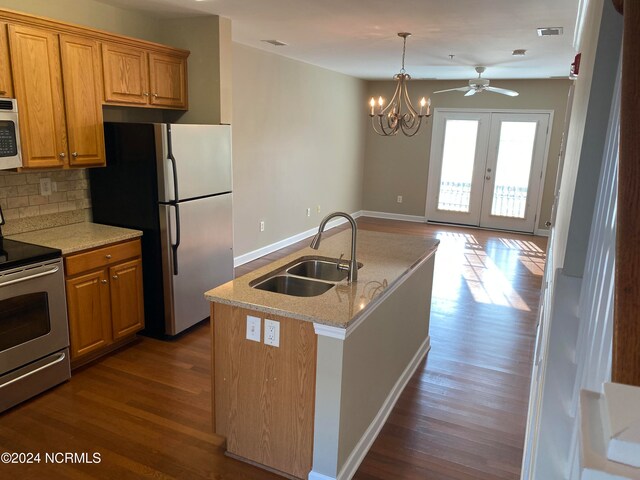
(479, 85)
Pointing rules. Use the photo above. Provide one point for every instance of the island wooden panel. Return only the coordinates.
(264, 396)
(6, 83)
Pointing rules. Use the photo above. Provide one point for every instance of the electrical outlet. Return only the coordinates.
(262, 225)
(399, 198)
(253, 328)
(45, 187)
(318, 209)
(271, 333)
(308, 212)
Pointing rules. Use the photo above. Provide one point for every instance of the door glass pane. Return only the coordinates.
(23, 318)
(513, 169)
(458, 156)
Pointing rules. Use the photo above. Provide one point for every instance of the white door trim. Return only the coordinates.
(498, 110)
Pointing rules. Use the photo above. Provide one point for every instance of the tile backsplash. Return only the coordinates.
(27, 207)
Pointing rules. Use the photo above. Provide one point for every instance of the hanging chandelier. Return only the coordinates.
(399, 114)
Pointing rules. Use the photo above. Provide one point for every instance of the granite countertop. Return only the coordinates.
(78, 236)
(387, 260)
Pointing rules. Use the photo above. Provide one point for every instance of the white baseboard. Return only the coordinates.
(261, 252)
(363, 446)
(542, 232)
(394, 216)
(318, 476)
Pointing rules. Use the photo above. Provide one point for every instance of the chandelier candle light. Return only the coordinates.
(391, 119)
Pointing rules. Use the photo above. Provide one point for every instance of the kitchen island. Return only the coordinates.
(311, 406)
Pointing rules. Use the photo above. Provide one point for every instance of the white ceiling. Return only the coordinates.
(358, 37)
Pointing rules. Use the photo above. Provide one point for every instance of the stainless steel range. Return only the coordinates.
(34, 335)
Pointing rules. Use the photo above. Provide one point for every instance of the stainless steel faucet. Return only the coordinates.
(353, 264)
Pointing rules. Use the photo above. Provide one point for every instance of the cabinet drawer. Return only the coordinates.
(101, 257)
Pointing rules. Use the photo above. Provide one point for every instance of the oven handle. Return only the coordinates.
(51, 271)
(61, 357)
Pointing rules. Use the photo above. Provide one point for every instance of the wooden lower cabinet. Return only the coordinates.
(264, 396)
(105, 301)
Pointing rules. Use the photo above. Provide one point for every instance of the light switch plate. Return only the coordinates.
(45, 187)
(271, 333)
(253, 328)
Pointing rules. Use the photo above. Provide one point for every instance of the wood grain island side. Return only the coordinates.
(312, 407)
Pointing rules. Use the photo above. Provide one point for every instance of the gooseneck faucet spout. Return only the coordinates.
(353, 264)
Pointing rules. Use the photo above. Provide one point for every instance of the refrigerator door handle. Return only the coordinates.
(174, 167)
(174, 246)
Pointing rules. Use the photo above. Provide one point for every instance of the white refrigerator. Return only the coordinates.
(173, 182)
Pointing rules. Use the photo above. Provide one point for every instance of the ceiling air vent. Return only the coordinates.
(549, 31)
(520, 52)
(276, 43)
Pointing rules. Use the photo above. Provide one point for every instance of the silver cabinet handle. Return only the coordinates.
(146, 94)
(155, 95)
(103, 281)
(488, 177)
(74, 154)
(547, 224)
(61, 155)
(108, 256)
(115, 277)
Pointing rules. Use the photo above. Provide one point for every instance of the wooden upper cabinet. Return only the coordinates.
(134, 76)
(6, 83)
(126, 77)
(83, 100)
(168, 80)
(37, 81)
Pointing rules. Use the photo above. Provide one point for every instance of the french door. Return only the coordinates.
(486, 168)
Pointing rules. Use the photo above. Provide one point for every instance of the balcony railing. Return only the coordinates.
(508, 201)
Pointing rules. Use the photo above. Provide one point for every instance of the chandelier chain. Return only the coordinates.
(404, 49)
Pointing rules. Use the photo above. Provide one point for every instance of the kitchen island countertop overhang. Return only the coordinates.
(387, 260)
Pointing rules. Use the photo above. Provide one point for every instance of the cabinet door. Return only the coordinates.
(37, 81)
(89, 314)
(127, 308)
(126, 75)
(6, 84)
(168, 81)
(83, 100)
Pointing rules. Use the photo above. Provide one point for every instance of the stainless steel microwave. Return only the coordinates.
(10, 156)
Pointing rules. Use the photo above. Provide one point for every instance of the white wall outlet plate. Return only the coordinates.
(272, 333)
(262, 225)
(253, 328)
(308, 212)
(45, 187)
(399, 198)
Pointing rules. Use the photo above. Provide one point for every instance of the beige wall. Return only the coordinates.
(209, 41)
(91, 13)
(400, 165)
(298, 142)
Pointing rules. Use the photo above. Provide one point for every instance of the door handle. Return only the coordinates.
(487, 177)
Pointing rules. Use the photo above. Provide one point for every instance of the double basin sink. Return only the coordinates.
(304, 277)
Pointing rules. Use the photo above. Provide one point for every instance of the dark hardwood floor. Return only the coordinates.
(146, 409)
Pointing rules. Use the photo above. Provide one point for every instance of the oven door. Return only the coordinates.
(33, 314)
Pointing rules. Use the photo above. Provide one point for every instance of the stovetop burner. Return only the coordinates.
(15, 254)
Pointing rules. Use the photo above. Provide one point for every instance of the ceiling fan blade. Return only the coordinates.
(503, 91)
(472, 91)
(459, 89)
